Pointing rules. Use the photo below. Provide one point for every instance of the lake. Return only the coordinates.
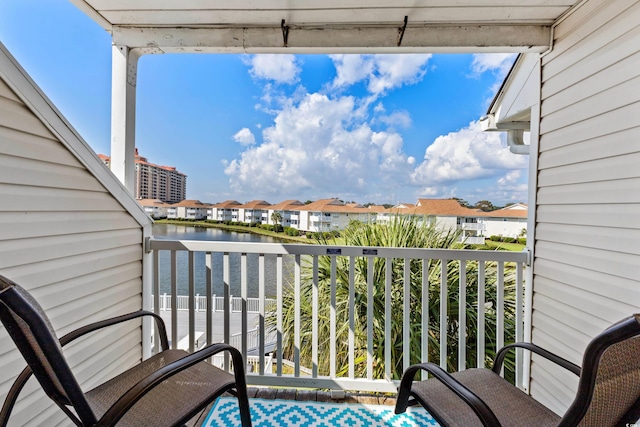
(181, 232)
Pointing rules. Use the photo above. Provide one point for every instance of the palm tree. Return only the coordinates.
(403, 231)
(276, 217)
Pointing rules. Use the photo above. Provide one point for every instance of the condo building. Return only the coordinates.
(333, 214)
(153, 181)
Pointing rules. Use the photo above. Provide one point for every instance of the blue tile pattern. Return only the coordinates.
(289, 413)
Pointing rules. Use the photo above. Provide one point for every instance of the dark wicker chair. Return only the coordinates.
(167, 389)
(608, 389)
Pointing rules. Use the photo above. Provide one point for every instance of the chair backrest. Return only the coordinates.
(609, 387)
(31, 331)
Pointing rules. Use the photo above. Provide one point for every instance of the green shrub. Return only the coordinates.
(290, 231)
(509, 239)
(522, 240)
(495, 238)
(481, 247)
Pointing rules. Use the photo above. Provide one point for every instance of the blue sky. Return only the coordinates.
(369, 128)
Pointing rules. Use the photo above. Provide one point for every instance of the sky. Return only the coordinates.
(365, 128)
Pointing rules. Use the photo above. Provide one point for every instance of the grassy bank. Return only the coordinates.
(513, 247)
(238, 229)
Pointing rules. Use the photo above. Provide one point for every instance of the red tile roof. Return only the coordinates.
(227, 204)
(333, 205)
(191, 204)
(256, 204)
(152, 202)
(287, 205)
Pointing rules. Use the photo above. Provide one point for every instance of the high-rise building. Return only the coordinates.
(156, 182)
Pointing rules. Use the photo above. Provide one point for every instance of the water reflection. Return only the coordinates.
(179, 232)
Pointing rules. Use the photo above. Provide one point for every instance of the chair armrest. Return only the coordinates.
(486, 416)
(21, 380)
(162, 330)
(135, 393)
(497, 364)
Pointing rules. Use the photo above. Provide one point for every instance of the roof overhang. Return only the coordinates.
(328, 26)
(510, 110)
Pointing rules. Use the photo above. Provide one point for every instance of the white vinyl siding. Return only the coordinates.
(70, 242)
(587, 257)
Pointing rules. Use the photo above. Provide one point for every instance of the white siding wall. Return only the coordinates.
(508, 227)
(587, 256)
(303, 221)
(65, 238)
(447, 222)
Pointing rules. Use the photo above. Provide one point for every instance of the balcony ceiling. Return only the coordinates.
(337, 26)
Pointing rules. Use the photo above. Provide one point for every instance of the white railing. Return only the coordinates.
(370, 294)
(200, 303)
(253, 339)
(473, 226)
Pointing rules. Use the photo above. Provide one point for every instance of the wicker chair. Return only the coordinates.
(167, 389)
(608, 389)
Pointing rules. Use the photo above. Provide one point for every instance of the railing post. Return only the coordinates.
(164, 302)
(214, 303)
(197, 308)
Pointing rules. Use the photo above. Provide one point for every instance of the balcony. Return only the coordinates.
(284, 295)
(473, 226)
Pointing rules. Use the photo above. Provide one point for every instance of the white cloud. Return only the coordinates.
(351, 69)
(320, 146)
(431, 192)
(397, 70)
(511, 178)
(510, 188)
(398, 118)
(381, 72)
(466, 155)
(281, 68)
(500, 63)
(245, 137)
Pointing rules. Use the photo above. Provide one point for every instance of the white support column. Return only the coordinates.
(124, 71)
